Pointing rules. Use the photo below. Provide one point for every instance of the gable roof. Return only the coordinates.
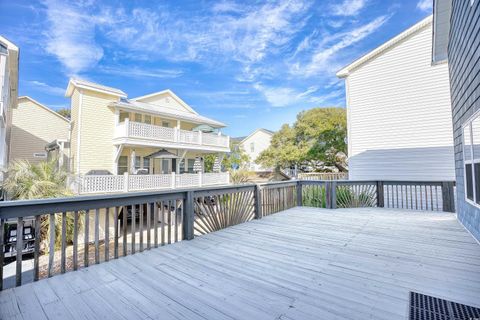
(344, 72)
(44, 107)
(171, 93)
(87, 85)
(136, 106)
(269, 132)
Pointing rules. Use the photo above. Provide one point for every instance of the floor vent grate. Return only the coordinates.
(423, 307)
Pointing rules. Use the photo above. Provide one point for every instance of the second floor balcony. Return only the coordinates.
(150, 134)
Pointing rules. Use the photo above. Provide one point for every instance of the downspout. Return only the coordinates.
(80, 102)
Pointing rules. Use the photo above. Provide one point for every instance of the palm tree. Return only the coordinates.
(36, 181)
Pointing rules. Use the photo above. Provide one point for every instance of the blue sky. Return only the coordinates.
(249, 64)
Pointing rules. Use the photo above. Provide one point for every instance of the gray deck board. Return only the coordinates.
(303, 263)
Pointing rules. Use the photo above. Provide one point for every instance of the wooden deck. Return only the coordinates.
(303, 263)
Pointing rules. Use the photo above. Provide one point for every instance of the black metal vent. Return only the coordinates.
(423, 307)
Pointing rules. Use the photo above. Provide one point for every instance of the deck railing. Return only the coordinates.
(323, 176)
(132, 129)
(84, 230)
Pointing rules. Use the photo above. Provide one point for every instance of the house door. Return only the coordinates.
(166, 166)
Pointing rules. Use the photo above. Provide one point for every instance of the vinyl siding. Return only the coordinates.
(96, 132)
(261, 141)
(399, 117)
(32, 128)
(74, 114)
(464, 64)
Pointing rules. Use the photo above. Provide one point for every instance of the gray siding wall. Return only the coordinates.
(464, 65)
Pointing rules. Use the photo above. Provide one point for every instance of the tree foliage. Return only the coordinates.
(64, 112)
(318, 135)
(237, 158)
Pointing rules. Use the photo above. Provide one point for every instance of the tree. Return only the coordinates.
(43, 180)
(64, 112)
(237, 158)
(318, 135)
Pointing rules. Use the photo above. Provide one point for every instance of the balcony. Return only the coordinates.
(153, 135)
(249, 252)
(125, 183)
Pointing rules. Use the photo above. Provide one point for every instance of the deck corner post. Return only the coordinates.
(328, 195)
(258, 202)
(448, 197)
(299, 194)
(380, 195)
(189, 216)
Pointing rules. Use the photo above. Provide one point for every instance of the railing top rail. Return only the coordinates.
(418, 183)
(273, 184)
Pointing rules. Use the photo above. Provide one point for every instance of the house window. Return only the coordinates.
(123, 116)
(252, 147)
(122, 165)
(471, 159)
(146, 164)
(138, 117)
(137, 163)
(148, 119)
(181, 166)
(165, 124)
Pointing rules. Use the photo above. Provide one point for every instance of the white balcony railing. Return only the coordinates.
(126, 182)
(131, 129)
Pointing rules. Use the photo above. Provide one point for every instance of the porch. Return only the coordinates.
(301, 263)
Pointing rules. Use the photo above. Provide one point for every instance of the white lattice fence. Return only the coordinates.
(215, 178)
(187, 180)
(149, 182)
(185, 136)
(102, 183)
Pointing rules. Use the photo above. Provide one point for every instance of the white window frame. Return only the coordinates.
(473, 161)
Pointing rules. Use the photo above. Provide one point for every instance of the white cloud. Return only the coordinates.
(348, 7)
(286, 96)
(71, 36)
(425, 5)
(322, 56)
(138, 72)
(45, 88)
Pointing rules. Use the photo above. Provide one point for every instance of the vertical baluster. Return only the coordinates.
(162, 223)
(19, 248)
(2, 250)
(416, 198)
(141, 226)
(176, 219)
(169, 221)
(86, 240)
(51, 250)
(97, 236)
(155, 224)
(149, 218)
(431, 198)
(421, 197)
(64, 243)
(107, 234)
(436, 197)
(426, 197)
(396, 194)
(411, 196)
(115, 233)
(133, 226)
(181, 214)
(124, 227)
(36, 252)
(75, 240)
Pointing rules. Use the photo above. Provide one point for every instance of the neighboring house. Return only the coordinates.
(157, 135)
(253, 145)
(398, 111)
(456, 38)
(34, 127)
(9, 54)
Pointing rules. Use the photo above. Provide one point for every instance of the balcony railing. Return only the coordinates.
(138, 130)
(110, 226)
(126, 182)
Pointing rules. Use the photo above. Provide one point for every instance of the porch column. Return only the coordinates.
(132, 161)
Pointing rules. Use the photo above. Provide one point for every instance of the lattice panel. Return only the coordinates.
(149, 182)
(149, 131)
(102, 183)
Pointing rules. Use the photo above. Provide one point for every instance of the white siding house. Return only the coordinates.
(254, 144)
(8, 97)
(398, 111)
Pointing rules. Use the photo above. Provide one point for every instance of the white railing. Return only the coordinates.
(132, 129)
(127, 182)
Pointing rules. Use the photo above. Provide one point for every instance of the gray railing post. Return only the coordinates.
(333, 195)
(299, 193)
(328, 195)
(189, 216)
(257, 202)
(448, 197)
(380, 195)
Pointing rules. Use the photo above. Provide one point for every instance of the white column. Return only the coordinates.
(125, 182)
(200, 138)
(173, 180)
(117, 117)
(127, 127)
